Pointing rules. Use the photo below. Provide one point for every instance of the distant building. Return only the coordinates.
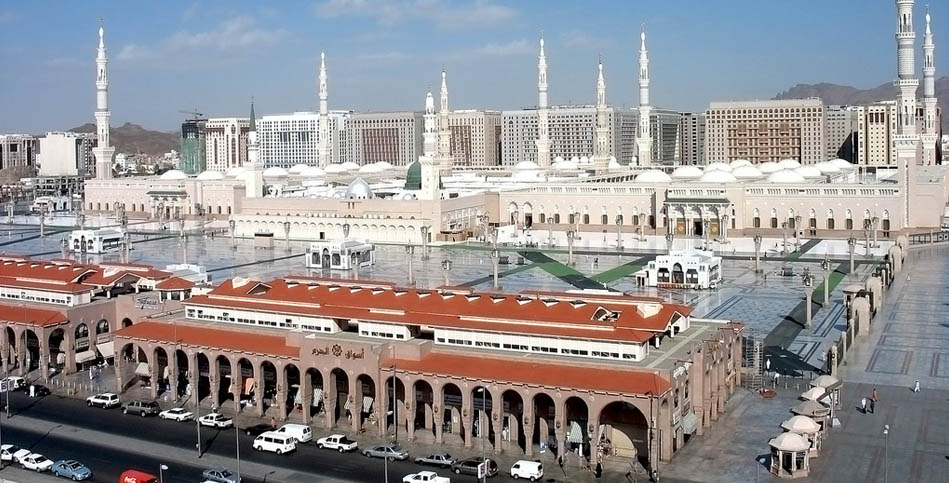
(876, 126)
(193, 159)
(393, 137)
(226, 143)
(67, 154)
(691, 145)
(290, 139)
(475, 137)
(762, 131)
(693, 269)
(570, 129)
(841, 132)
(17, 150)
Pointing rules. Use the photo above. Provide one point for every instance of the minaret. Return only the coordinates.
(324, 134)
(429, 147)
(930, 128)
(601, 147)
(543, 134)
(906, 140)
(103, 150)
(444, 132)
(644, 138)
(254, 182)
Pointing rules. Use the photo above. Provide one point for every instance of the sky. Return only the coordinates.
(215, 56)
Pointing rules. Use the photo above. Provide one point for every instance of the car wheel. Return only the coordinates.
(279, 451)
(457, 471)
(341, 450)
(533, 478)
(319, 445)
(74, 478)
(89, 403)
(515, 476)
(125, 411)
(392, 458)
(142, 414)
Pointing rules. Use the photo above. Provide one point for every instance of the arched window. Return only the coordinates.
(756, 221)
(586, 218)
(557, 218)
(604, 219)
(849, 220)
(774, 218)
(830, 220)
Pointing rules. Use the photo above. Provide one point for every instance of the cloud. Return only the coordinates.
(444, 14)
(576, 38)
(133, 52)
(514, 47)
(232, 34)
(190, 12)
(392, 56)
(63, 61)
(7, 17)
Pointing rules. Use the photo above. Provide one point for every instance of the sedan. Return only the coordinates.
(176, 414)
(9, 452)
(37, 390)
(436, 459)
(470, 467)
(71, 469)
(219, 475)
(216, 420)
(389, 451)
(36, 462)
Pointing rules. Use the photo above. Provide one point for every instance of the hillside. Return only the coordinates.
(132, 138)
(838, 94)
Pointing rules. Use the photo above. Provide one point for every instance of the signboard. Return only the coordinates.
(482, 470)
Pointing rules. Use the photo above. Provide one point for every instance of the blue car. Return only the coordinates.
(71, 469)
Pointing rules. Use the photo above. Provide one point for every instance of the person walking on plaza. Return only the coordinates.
(916, 386)
(874, 397)
(863, 405)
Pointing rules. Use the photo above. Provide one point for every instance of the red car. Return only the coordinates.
(134, 476)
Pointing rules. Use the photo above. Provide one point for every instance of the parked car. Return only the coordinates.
(15, 383)
(338, 442)
(425, 477)
(219, 475)
(275, 442)
(390, 451)
(37, 390)
(257, 429)
(176, 414)
(470, 467)
(106, 400)
(142, 408)
(36, 462)
(436, 459)
(135, 476)
(72, 470)
(12, 453)
(216, 420)
(301, 432)
(530, 469)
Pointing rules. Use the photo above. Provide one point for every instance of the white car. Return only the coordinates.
(105, 400)
(15, 383)
(36, 462)
(176, 414)
(425, 477)
(531, 469)
(338, 442)
(216, 420)
(13, 453)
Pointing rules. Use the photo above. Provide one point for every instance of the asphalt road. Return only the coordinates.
(107, 462)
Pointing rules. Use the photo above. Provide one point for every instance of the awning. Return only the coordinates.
(85, 356)
(690, 423)
(248, 385)
(367, 404)
(317, 396)
(576, 433)
(297, 396)
(106, 349)
(61, 358)
(142, 370)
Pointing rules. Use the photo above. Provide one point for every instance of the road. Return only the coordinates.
(55, 426)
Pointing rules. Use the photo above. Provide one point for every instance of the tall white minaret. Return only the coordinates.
(324, 134)
(906, 140)
(254, 181)
(601, 147)
(644, 137)
(930, 134)
(543, 133)
(444, 132)
(103, 150)
(429, 147)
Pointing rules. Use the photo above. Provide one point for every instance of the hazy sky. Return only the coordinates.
(384, 54)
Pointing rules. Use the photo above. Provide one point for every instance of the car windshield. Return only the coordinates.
(74, 465)
(395, 449)
(40, 459)
(444, 456)
(226, 473)
(13, 449)
(152, 404)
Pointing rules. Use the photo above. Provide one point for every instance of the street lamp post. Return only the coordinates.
(424, 231)
(784, 233)
(825, 266)
(571, 235)
(670, 241)
(852, 244)
(808, 280)
(619, 234)
(867, 226)
(876, 225)
(237, 441)
(495, 260)
(161, 473)
(232, 224)
(286, 234)
(410, 253)
(446, 266)
(886, 432)
(481, 418)
(797, 230)
(757, 240)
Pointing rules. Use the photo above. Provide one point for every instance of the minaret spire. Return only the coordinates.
(103, 150)
(906, 141)
(444, 132)
(601, 155)
(543, 133)
(644, 137)
(254, 182)
(930, 135)
(324, 122)
(427, 159)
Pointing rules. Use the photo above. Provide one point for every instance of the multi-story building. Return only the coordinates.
(475, 137)
(665, 135)
(841, 128)
(67, 154)
(226, 142)
(393, 137)
(765, 131)
(290, 139)
(876, 126)
(691, 146)
(17, 150)
(193, 159)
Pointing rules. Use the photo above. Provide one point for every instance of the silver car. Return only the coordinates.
(390, 451)
(436, 459)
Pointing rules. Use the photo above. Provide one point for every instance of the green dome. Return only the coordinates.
(413, 176)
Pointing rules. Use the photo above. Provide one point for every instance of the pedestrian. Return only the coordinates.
(560, 462)
(916, 386)
(273, 422)
(767, 364)
(863, 405)
(599, 469)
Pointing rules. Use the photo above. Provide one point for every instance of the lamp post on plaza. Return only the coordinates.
(576, 220)
(808, 280)
(670, 241)
(10, 205)
(410, 253)
(886, 433)
(42, 222)
(286, 233)
(495, 260)
(876, 225)
(867, 226)
(571, 235)
(446, 266)
(757, 240)
(852, 245)
(619, 233)
(797, 229)
(232, 225)
(825, 266)
(483, 221)
(706, 223)
(784, 232)
(514, 220)
(424, 231)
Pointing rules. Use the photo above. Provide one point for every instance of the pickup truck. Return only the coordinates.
(425, 477)
(338, 442)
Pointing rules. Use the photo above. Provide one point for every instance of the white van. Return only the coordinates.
(532, 470)
(301, 432)
(275, 442)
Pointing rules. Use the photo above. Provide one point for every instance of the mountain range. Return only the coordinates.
(838, 94)
(132, 138)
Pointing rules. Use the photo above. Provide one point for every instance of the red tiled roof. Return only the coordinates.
(214, 337)
(548, 374)
(23, 314)
(64, 287)
(174, 283)
(24, 268)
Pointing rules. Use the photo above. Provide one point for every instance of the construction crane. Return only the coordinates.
(195, 114)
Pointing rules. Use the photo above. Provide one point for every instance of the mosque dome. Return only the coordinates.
(808, 171)
(335, 169)
(718, 167)
(687, 172)
(369, 169)
(652, 176)
(747, 172)
(769, 167)
(312, 172)
(739, 163)
(842, 164)
(526, 166)
(717, 176)
(349, 166)
(584, 160)
(413, 176)
(614, 165)
(785, 176)
(384, 165)
(576, 160)
(565, 165)
(359, 190)
(235, 172)
(210, 175)
(789, 163)
(173, 174)
(828, 167)
(558, 159)
(297, 168)
(275, 172)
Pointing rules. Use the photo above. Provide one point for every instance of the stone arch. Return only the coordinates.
(577, 420)
(293, 383)
(831, 224)
(512, 421)
(181, 382)
(365, 388)
(267, 384)
(247, 378)
(102, 327)
(203, 368)
(126, 322)
(11, 352)
(544, 413)
(340, 408)
(627, 428)
(225, 380)
(161, 368)
(453, 413)
(132, 355)
(31, 350)
(312, 387)
(55, 347)
(396, 412)
(423, 407)
(482, 408)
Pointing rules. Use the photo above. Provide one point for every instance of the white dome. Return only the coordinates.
(275, 172)
(526, 175)
(359, 189)
(384, 165)
(808, 171)
(243, 175)
(235, 172)
(652, 176)
(717, 176)
(789, 163)
(335, 169)
(584, 160)
(828, 167)
(298, 168)
(614, 165)
(575, 159)
(526, 166)
(687, 172)
(718, 167)
(747, 172)
(565, 165)
(312, 172)
(789, 442)
(174, 174)
(210, 175)
(785, 176)
(349, 166)
(739, 163)
(370, 168)
(841, 164)
(800, 425)
(558, 159)
(769, 167)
